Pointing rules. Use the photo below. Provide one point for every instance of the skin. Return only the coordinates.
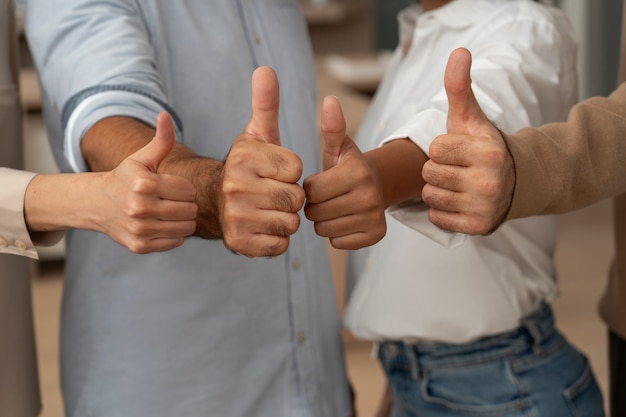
(348, 199)
(250, 200)
(471, 175)
(138, 208)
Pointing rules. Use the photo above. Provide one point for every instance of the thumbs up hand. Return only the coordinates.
(143, 210)
(470, 175)
(260, 197)
(345, 201)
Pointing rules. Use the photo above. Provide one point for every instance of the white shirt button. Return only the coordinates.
(296, 265)
(256, 38)
(379, 127)
(3, 243)
(301, 338)
(20, 245)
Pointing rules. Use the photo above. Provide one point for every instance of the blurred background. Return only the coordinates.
(352, 40)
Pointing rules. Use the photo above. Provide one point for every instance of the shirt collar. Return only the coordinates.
(457, 14)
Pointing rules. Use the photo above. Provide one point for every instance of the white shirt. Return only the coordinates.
(524, 73)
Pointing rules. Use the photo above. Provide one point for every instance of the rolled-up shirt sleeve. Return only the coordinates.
(88, 74)
(517, 82)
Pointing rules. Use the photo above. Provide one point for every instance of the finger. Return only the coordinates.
(260, 245)
(458, 222)
(264, 194)
(446, 220)
(464, 112)
(265, 106)
(353, 241)
(342, 206)
(269, 236)
(449, 177)
(172, 229)
(157, 149)
(443, 199)
(155, 245)
(333, 130)
(167, 210)
(325, 186)
(144, 236)
(344, 226)
(173, 187)
(279, 164)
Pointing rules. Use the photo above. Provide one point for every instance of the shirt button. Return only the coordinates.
(20, 245)
(379, 127)
(256, 38)
(296, 265)
(3, 243)
(301, 338)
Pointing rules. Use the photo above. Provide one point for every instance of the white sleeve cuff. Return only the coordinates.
(100, 106)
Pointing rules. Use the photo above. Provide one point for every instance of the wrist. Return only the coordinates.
(206, 175)
(62, 201)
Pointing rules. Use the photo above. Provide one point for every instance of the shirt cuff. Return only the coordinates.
(422, 129)
(414, 214)
(14, 236)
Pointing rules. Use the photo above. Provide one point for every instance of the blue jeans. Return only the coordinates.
(529, 372)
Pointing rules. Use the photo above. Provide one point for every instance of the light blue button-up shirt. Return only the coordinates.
(197, 331)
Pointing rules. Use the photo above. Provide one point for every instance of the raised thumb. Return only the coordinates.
(333, 130)
(265, 106)
(152, 154)
(464, 112)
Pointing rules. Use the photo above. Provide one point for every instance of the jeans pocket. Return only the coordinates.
(487, 389)
(583, 396)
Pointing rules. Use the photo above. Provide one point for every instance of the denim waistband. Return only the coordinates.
(533, 331)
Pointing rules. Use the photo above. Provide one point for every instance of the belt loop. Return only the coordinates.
(375, 349)
(537, 325)
(411, 354)
(535, 334)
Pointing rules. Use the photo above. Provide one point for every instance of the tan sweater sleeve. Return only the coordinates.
(566, 166)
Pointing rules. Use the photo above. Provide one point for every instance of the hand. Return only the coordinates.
(471, 175)
(345, 201)
(143, 210)
(260, 195)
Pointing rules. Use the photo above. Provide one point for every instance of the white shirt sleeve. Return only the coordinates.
(512, 81)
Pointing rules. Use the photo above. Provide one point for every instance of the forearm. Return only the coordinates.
(399, 166)
(62, 201)
(566, 166)
(111, 140)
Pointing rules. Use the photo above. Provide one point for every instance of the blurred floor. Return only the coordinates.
(583, 254)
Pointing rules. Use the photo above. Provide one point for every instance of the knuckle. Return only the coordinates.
(230, 188)
(137, 208)
(320, 229)
(137, 230)
(290, 200)
(230, 216)
(285, 227)
(143, 183)
(280, 247)
(238, 156)
(137, 245)
(494, 155)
